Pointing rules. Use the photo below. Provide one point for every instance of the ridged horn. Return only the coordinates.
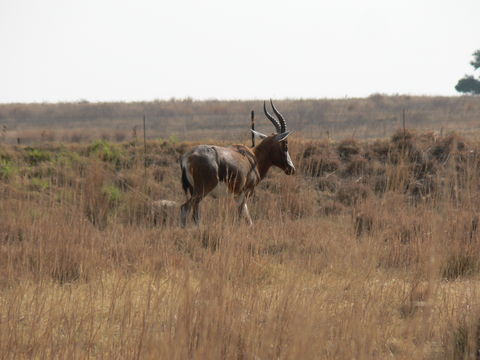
(283, 124)
(278, 126)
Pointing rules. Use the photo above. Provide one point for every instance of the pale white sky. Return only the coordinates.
(102, 50)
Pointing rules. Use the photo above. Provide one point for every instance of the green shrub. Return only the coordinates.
(106, 151)
(36, 156)
(7, 170)
(174, 139)
(37, 184)
(113, 195)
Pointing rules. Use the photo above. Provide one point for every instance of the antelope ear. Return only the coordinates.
(282, 136)
(258, 135)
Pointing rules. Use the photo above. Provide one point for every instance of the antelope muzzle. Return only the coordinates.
(290, 170)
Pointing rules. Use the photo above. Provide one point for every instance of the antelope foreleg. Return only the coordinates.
(243, 208)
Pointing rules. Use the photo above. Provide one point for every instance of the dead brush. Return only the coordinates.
(423, 188)
(331, 207)
(352, 193)
(404, 138)
(363, 223)
(296, 200)
(319, 165)
(417, 299)
(405, 148)
(398, 176)
(461, 230)
(57, 249)
(357, 166)
(462, 338)
(165, 212)
(328, 183)
(318, 159)
(347, 148)
(211, 238)
(460, 265)
(126, 181)
(380, 150)
(366, 218)
(398, 254)
(451, 144)
(379, 184)
(137, 209)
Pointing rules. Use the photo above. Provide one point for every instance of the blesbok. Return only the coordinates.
(241, 168)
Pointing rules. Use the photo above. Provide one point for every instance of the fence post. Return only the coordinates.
(252, 117)
(145, 148)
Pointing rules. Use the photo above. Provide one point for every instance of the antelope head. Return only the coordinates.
(276, 145)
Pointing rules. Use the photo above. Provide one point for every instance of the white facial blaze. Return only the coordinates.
(289, 160)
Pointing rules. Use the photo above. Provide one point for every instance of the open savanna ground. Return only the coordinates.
(377, 116)
(369, 252)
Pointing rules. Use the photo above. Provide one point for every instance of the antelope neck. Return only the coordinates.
(263, 159)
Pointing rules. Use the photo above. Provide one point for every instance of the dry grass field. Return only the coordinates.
(369, 252)
(377, 116)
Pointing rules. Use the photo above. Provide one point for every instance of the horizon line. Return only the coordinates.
(210, 99)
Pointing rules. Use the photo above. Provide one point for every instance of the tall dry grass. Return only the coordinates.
(370, 252)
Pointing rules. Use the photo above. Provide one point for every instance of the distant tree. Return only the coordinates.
(476, 60)
(469, 84)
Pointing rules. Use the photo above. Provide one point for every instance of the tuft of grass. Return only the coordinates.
(460, 265)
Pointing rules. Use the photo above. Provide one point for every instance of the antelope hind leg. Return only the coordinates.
(185, 211)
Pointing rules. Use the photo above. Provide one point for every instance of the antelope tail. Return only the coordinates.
(187, 187)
